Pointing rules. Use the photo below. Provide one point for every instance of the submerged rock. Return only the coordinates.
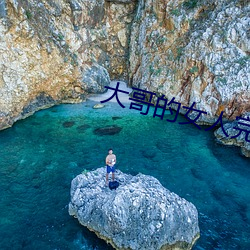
(140, 214)
(108, 130)
(114, 118)
(68, 124)
(82, 128)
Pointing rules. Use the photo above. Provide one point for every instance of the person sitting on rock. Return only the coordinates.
(110, 161)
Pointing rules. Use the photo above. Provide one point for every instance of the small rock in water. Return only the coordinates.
(109, 130)
(68, 124)
(98, 106)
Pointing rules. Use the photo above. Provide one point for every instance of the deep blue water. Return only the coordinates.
(39, 156)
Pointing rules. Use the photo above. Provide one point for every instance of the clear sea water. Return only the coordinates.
(39, 156)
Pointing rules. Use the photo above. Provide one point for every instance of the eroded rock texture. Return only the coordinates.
(59, 51)
(195, 51)
(139, 214)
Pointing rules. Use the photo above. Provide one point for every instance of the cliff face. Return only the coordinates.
(59, 51)
(195, 51)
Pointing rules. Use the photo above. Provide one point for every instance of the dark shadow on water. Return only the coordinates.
(107, 130)
(114, 118)
(68, 124)
(83, 128)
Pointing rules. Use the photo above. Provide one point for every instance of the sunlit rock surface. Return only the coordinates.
(55, 52)
(195, 51)
(59, 51)
(140, 214)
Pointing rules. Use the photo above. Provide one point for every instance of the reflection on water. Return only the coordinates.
(40, 156)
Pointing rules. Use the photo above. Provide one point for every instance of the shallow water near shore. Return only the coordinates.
(39, 156)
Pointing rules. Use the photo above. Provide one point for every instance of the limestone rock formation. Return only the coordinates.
(59, 51)
(238, 141)
(140, 214)
(195, 51)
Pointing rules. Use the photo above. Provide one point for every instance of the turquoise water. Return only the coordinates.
(39, 156)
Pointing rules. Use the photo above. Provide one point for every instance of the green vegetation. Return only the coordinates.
(154, 71)
(179, 53)
(60, 37)
(151, 69)
(222, 80)
(161, 40)
(170, 55)
(74, 60)
(190, 4)
(194, 69)
(175, 12)
(243, 60)
(28, 14)
(158, 71)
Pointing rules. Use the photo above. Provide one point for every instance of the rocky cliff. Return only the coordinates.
(59, 51)
(195, 51)
(140, 214)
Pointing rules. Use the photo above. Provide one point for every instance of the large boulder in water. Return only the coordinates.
(139, 214)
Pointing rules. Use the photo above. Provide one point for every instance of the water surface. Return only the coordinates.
(39, 156)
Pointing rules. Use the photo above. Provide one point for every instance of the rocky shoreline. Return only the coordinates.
(239, 141)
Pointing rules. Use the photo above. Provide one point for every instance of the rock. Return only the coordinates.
(78, 89)
(108, 130)
(68, 124)
(148, 153)
(140, 214)
(121, 1)
(82, 128)
(98, 106)
(238, 141)
(95, 78)
(122, 37)
(52, 47)
(185, 50)
(42, 100)
(3, 9)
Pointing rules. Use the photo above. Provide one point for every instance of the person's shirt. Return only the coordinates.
(111, 160)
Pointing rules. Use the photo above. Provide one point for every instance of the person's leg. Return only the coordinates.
(113, 173)
(107, 175)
